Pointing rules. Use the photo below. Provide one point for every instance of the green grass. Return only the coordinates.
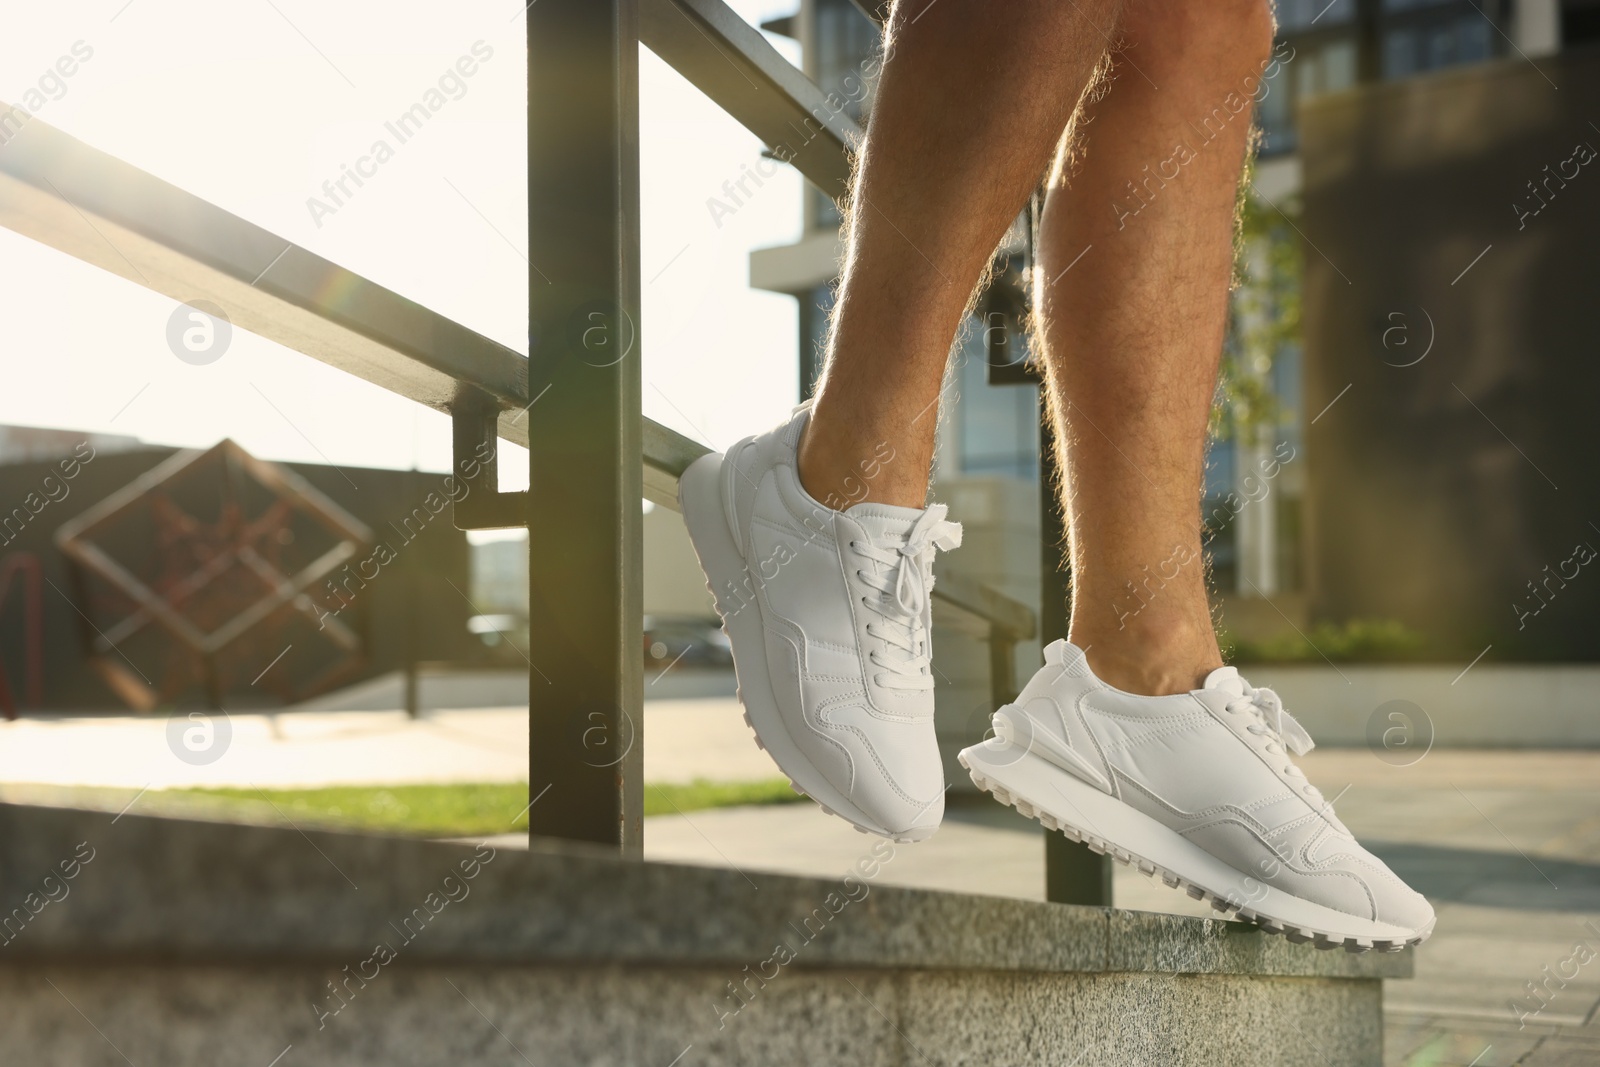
(459, 810)
(700, 794)
(1356, 641)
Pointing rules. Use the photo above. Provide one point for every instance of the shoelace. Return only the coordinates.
(902, 601)
(1280, 728)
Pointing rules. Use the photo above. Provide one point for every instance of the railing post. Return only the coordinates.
(585, 554)
(1002, 666)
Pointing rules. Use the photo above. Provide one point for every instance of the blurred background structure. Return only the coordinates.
(166, 552)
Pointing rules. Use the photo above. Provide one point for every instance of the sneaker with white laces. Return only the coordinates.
(1197, 788)
(828, 616)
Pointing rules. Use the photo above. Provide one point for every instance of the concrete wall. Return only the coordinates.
(674, 584)
(1490, 705)
(651, 1016)
(1453, 474)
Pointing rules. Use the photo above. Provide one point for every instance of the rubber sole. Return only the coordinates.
(1059, 801)
(700, 498)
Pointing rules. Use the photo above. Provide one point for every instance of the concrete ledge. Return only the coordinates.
(660, 1017)
(176, 890)
(146, 940)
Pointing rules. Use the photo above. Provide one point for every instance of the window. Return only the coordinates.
(1314, 69)
(997, 426)
(843, 42)
(1433, 45)
(1296, 15)
(1412, 5)
(1410, 37)
(815, 308)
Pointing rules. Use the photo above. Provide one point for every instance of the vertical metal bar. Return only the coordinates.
(1369, 42)
(412, 619)
(472, 436)
(585, 550)
(1002, 667)
(1073, 874)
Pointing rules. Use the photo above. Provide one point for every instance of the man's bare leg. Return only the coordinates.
(825, 608)
(1132, 333)
(971, 100)
(1200, 787)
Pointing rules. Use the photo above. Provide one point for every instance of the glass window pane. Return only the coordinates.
(1338, 66)
(997, 424)
(1441, 47)
(845, 40)
(1307, 74)
(1302, 14)
(1399, 53)
(1477, 42)
(1275, 115)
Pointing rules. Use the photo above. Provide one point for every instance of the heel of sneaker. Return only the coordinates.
(1012, 725)
(698, 491)
(1013, 733)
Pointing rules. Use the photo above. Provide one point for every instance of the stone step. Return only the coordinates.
(152, 940)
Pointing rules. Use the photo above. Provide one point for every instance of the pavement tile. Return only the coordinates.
(1563, 1052)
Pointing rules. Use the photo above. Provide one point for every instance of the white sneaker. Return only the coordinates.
(1196, 788)
(828, 615)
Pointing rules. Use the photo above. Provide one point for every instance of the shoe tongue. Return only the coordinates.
(885, 522)
(1226, 679)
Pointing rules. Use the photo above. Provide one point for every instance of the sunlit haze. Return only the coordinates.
(254, 105)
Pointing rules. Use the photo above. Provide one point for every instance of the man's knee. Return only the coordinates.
(1254, 26)
(1227, 35)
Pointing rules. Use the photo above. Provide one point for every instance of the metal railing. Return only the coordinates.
(27, 565)
(591, 453)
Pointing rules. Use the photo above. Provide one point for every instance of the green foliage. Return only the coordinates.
(1263, 319)
(1356, 641)
(470, 809)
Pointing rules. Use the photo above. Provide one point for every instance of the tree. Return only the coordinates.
(1263, 321)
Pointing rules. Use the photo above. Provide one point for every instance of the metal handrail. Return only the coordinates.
(729, 60)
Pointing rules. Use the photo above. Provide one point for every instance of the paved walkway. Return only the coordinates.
(689, 738)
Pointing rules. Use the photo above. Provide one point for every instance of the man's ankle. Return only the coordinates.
(1148, 664)
(840, 471)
